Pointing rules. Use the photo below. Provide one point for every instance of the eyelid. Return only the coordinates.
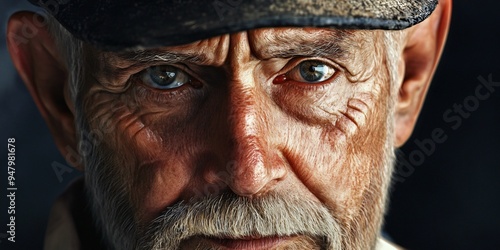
(160, 96)
(136, 68)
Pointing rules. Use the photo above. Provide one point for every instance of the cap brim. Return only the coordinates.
(119, 25)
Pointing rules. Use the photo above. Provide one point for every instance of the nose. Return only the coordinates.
(256, 166)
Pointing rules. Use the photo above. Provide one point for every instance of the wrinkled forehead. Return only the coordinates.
(265, 44)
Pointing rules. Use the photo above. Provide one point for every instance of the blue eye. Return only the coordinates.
(311, 71)
(165, 77)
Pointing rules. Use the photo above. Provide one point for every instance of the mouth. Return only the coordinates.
(249, 243)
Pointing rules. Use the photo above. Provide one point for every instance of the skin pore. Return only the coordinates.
(248, 108)
(273, 138)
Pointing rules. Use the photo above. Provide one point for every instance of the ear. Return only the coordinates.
(42, 69)
(424, 45)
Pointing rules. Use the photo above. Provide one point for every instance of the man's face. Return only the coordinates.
(238, 129)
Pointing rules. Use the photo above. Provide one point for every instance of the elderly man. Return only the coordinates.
(228, 124)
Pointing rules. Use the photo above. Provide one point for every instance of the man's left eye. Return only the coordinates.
(165, 77)
(311, 71)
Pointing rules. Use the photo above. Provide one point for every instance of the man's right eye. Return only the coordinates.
(165, 77)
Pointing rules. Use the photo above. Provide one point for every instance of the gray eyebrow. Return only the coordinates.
(157, 55)
(333, 44)
(307, 50)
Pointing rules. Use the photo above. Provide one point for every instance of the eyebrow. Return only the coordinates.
(333, 44)
(159, 55)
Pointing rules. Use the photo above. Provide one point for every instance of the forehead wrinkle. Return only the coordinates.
(311, 42)
(203, 52)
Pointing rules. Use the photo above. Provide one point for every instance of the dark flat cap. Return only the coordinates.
(122, 24)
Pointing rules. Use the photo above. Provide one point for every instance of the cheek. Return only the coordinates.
(149, 146)
(340, 144)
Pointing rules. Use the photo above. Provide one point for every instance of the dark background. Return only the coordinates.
(451, 200)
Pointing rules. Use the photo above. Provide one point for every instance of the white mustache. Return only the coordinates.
(230, 216)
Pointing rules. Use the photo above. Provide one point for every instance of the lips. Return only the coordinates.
(249, 243)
